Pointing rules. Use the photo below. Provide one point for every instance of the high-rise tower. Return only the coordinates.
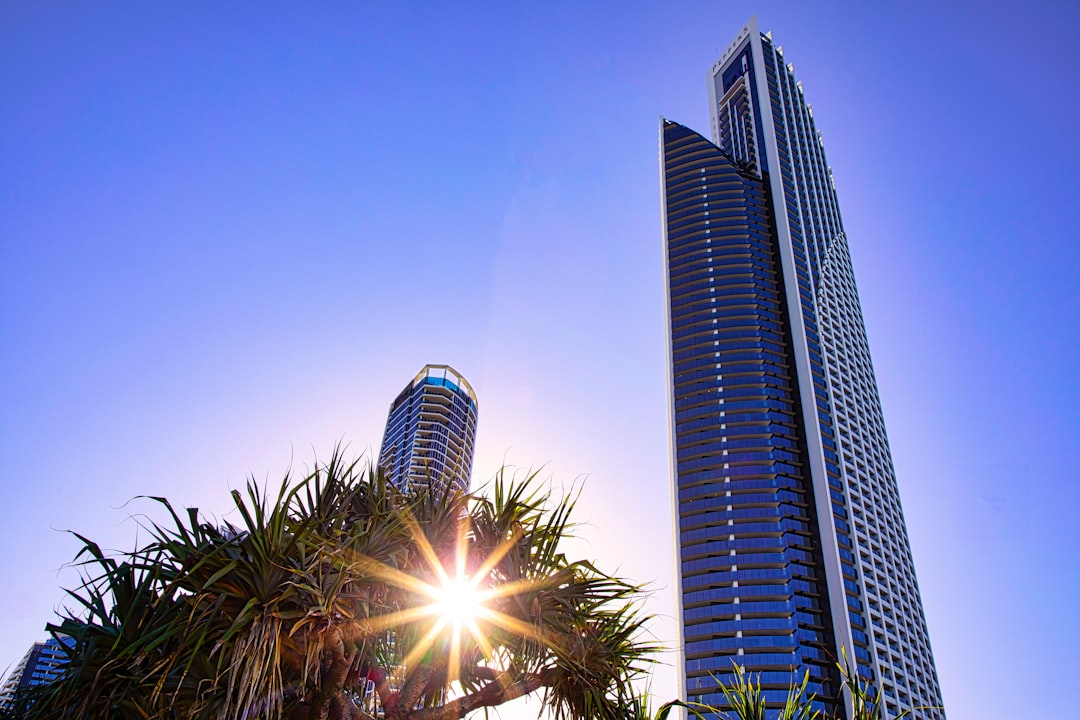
(791, 541)
(431, 431)
(42, 664)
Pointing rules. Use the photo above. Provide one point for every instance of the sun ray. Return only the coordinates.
(392, 575)
(519, 627)
(453, 669)
(424, 644)
(430, 556)
(461, 551)
(401, 617)
(460, 611)
(481, 638)
(498, 553)
(515, 587)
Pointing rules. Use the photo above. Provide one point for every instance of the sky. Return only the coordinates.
(230, 235)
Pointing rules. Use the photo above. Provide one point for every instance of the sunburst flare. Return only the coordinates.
(460, 605)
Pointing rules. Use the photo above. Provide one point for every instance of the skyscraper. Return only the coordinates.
(431, 431)
(791, 541)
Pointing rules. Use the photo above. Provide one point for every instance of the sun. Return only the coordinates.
(458, 604)
(458, 601)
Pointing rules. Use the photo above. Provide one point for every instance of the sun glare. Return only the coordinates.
(458, 602)
(461, 603)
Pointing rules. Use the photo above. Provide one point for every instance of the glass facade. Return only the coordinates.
(43, 663)
(791, 540)
(750, 559)
(431, 431)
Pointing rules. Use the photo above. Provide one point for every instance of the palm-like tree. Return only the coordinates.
(341, 597)
(865, 704)
(746, 700)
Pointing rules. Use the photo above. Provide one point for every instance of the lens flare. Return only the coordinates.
(458, 601)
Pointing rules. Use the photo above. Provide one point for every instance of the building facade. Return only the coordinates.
(42, 664)
(792, 546)
(431, 431)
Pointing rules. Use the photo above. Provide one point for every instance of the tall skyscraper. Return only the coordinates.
(791, 541)
(431, 431)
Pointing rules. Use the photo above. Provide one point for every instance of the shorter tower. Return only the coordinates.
(431, 431)
(42, 664)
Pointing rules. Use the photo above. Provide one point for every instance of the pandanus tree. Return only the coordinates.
(746, 700)
(340, 597)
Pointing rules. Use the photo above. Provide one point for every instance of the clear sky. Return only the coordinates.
(229, 236)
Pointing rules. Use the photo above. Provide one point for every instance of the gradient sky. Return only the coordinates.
(228, 237)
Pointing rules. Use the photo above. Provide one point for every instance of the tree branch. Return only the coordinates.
(413, 687)
(333, 677)
(495, 693)
(355, 711)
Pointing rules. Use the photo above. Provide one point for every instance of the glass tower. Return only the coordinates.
(43, 663)
(791, 542)
(431, 431)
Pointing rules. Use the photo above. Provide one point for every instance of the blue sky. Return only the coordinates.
(229, 236)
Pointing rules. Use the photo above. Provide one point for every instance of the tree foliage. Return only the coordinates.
(865, 704)
(746, 699)
(327, 600)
